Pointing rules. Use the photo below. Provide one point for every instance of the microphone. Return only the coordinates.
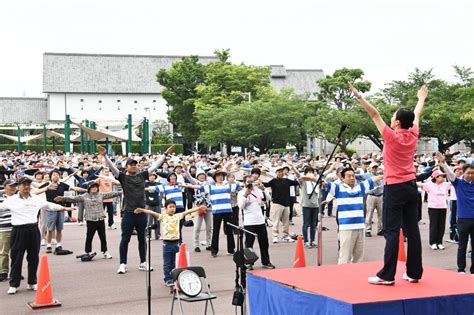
(343, 127)
(152, 227)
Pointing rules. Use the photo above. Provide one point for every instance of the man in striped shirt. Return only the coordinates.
(221, 205)
(6, 229)
(350, 214)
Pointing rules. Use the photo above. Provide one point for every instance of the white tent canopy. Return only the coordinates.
(102, 134)
(23, 139)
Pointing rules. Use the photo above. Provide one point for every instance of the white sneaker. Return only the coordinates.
(440, 246)
(434, 247)
(307, 245)
(32, 287)
(407, 278)
(43, 242)
(204, 243)
(275, 240)
(112, 227)
(145, 267)
(54, 242)
(11, 290)
(122, 269)
(107, 255)
(288, 239)
(377, 280)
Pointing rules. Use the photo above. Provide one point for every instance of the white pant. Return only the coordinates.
(197, 228)
(351, 246)
(280, 214)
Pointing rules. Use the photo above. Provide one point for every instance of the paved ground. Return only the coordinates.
(94, 286)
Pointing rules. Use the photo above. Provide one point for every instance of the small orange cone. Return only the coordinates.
(300, 260)
(44, 293)
(402, 256)
(182, 257)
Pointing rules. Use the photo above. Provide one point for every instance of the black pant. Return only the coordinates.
(437, 225)
(399, 205)
(24, 238)
(217, 218)
(452, 220)
(465, 229)
(261, 231)
(235, 218)
(92, 227)
(292, 206)
(181, 224)
(419, 206)
(109, 206)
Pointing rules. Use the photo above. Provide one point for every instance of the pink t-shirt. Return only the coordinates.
(437, 194)
(398, 153)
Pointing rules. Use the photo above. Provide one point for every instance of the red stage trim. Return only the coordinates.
(349, 282)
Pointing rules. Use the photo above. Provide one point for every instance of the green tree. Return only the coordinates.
(180, 83)
(336, 106)
(272, 121)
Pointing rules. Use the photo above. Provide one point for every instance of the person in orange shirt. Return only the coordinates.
(106, 183)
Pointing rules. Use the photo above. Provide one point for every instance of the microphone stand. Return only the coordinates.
(243, 268)
(321, 207)
(148, 275)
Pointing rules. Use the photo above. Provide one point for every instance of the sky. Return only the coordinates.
(387, 39)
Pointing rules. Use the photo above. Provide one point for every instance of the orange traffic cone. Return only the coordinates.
(182, 257)
(44, 293)
(402, 256)
(300, 260)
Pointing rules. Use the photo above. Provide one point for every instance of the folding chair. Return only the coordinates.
(205, 295)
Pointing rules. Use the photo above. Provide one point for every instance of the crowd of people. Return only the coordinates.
(258, 191)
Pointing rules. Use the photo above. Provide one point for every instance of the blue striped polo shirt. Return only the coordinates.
(220, 196)
(350, 203)
(172, 192)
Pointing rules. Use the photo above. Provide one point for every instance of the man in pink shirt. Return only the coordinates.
(400, 190)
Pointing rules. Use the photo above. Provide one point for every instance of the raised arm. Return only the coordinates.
(370, 109)
(422, 94)
(161, 160)
(449, 172)
(102, 151)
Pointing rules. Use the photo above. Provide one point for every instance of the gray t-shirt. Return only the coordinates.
(133, 190)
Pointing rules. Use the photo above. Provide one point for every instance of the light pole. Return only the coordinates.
(149, 129)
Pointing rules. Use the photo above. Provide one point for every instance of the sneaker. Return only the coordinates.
(380, 233)
(169, 283)
(249, 266)
(377, 280)
(230, 253)
(268, 266)
(451, 241)
(407, 278)
(434, 247)
(421, 222)
(122, 269)
(204, 243)
(54, 242)
(197, 249)
(440, 246)
(268, 222)
(291, 223)
(368, 234)
(208, 248)
(288, 239)
(112, 227)
(275, 240)
(145, 267)
(43, 242)
(3, 276)
(32, 287)
(462, 272)
(214, 255)
(81, 223)
(107, 255)
(313, 244)
(49, 250)
(307, 245)
(11, 290)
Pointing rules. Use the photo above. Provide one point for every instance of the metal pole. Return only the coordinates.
(94, 142)
(45, 141)
(129, 141)
(54, 143)
(88, 146)
(82, 139)
(67, 135)
(18, 144)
